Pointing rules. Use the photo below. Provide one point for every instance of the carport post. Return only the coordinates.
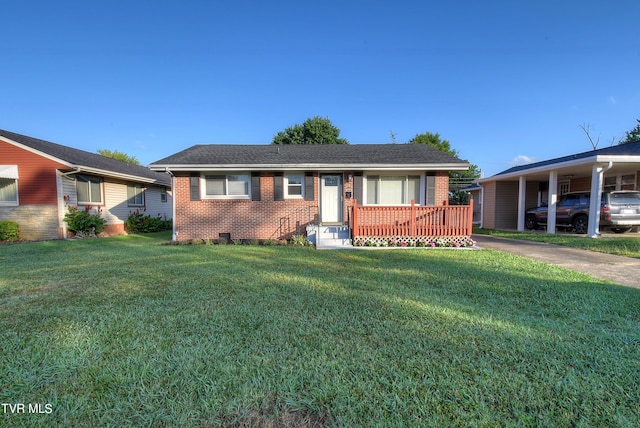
(522, 191)
(553, 201)
(597, 176)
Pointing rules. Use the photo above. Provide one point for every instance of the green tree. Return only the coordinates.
(115, 154)
(633, 135)
(457, 179)
(315, 130)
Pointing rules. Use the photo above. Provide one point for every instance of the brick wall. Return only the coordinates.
(241, 218)
(36, 222)
(264, 219)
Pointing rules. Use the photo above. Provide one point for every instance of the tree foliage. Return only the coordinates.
(457, 179)
(115, 154)
(315, 130)
(633, 135)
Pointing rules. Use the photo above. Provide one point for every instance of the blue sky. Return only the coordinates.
(500, 80)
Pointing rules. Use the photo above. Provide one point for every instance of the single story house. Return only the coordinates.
(40, 180)
(506, 196)
(276, 191)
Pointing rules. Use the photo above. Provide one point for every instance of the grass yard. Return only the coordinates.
(124, 332)
(627, 244)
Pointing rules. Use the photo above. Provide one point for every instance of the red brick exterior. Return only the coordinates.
(242, 218)
(264, 219)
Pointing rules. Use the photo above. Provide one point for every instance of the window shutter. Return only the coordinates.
(431, 189)
(194, 187)
(309, 187)
(255, 186)
(278, 187)
(357, 188)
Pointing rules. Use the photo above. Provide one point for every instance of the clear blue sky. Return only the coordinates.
(498, 79)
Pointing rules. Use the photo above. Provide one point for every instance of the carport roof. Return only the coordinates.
(629, 152)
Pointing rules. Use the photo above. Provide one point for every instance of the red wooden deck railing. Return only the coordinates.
(413, 220)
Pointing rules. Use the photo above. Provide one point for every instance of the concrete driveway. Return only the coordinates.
(618, 269)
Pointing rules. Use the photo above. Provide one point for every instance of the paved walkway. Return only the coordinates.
(618, 269)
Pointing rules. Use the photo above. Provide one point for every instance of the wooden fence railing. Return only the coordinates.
(413, 220)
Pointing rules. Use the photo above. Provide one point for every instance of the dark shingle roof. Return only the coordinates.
(629, 149)
(391, 155)
(81, 158)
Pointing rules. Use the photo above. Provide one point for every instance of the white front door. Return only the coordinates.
(331, 199)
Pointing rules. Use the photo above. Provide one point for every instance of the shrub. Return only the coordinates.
(9, 231)
(299, 240)
(140, 223)
(83, 222)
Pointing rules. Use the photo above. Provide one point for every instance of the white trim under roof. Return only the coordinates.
(307, 167)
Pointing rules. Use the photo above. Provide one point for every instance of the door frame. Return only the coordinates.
(339, 201)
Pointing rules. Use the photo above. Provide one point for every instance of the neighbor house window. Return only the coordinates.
(135, 194)
(163, 194)
(8, 191)
(393, 189)
(294, 185)
(8, 184)
(620, 182)
(88, 189)
(234, 185)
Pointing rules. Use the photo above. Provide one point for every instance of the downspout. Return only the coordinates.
(174, 233)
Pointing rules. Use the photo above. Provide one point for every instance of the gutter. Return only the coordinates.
(174, 233)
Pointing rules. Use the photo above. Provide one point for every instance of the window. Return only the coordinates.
(89, 189)
(135, 194)
(294, 185)
(8, 191)
(163, 194)
(8, 184)
(393, 189)
(236, 185)
(620, 182)
(564, 188)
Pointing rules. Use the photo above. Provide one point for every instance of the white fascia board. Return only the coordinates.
(112, 174)
(36, 152)
(619, 158)
(312, 167)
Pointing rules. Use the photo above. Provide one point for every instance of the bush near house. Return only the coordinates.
(83, 222)
(9, 231)
(140, 223)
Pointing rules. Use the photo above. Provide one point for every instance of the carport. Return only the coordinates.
(506, 196)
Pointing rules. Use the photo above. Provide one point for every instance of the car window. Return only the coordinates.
(625, 198)
(567, 201)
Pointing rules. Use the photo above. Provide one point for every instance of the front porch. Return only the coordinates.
(412, 225)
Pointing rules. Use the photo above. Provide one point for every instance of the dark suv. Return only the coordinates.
(572, 212)
(619, 211)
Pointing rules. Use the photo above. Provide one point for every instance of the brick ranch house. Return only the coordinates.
(276, 191)
(39, 180)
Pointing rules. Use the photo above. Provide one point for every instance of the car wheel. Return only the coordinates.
(580, 224)
(621, 229)
(530, 222)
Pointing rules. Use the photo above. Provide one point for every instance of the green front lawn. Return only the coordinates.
(627, 244)
(124, 332)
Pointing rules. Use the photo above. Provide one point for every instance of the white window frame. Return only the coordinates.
(405, 174)
(11, 203)
(288, 185)
(163, 194)
(620, 184)
(137, 190)
(90, 179)
(245, 177)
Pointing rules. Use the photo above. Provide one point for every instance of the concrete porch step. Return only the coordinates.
(329, 236)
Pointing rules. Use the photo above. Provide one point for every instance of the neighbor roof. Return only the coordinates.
(87, 162)
(600, 155)
(321, 157)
